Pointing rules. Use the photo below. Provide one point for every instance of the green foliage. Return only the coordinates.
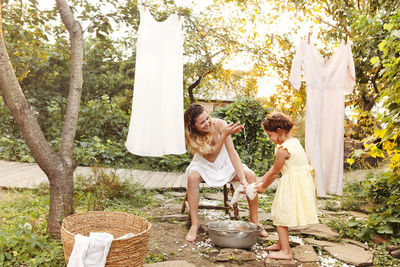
(106, 190)
(156, 258)
(383, 190)
(382, 257)
(252, 144)
(353, 228)
(354, 197)
(23, 216)
(23, 238)
(380, 194)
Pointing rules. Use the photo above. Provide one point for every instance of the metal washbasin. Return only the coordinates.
(233, 234)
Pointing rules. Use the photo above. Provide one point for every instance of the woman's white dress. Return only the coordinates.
(216, 173)
(157, 125)
(327, 81)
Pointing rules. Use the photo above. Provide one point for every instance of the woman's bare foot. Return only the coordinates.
(280, 255)
(263, 233)
(274, 247)
(192, 235)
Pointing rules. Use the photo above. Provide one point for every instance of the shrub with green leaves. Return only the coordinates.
(384, 192)
(23, 238)
(104, 189)
(252, 144)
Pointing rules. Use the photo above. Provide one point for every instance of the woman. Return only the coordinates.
(215, 160)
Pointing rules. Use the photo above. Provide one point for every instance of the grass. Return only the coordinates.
(23, 216)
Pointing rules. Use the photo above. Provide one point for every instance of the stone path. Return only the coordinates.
(313, 245)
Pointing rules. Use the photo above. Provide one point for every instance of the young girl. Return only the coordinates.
(295, 199)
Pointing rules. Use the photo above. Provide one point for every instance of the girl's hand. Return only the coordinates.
(260, 188)
(232, 128)
(244, 183)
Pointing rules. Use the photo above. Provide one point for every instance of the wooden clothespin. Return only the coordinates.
(272, 39)
(144, 5)
(308, 38)
(179, 13)
(345, 40)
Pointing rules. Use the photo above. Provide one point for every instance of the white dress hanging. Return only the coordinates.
(157, 125)
(327, 81)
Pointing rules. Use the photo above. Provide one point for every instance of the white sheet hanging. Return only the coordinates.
(156, 127)
(327, 80)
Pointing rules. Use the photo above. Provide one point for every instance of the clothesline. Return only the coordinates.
(370, 37)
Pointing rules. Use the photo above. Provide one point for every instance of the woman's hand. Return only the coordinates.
(231, 128)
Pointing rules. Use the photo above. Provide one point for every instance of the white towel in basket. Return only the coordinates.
(90, 251)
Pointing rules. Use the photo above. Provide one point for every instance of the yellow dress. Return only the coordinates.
(295, 202)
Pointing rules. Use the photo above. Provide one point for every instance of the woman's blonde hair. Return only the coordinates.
(196, 142)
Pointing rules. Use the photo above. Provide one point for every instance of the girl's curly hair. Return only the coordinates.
(277, 120)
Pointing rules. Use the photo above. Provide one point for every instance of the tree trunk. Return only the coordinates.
(59, 167)
(61, 198)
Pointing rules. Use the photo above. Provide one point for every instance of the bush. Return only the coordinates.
(103, 188)
(252, 144)
(23, 238)
(383, 190)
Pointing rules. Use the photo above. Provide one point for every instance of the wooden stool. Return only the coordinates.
(227, 205)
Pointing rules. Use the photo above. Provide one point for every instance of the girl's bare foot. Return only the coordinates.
(263, 233)
(192, 235)
(274, 247)
(280, 255)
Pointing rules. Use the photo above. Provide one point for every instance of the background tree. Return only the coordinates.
(58, 166)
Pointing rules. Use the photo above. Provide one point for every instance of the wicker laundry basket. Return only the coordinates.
(125, 252)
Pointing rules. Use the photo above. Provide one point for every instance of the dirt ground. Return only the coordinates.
(167, 242)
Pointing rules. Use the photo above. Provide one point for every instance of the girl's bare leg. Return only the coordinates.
(285, 253)
(193, 196)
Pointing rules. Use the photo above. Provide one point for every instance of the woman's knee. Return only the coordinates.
(194, 178)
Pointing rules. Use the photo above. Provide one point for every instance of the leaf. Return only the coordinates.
(388, 26)
(386, 229)
(350, 161)
(374, 61)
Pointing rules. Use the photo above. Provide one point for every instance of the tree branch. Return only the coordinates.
(375, 78)
(195, 84)
(23, 113)
(71, 117)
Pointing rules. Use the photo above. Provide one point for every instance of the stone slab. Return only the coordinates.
(305, 253)
(270, 237)
(280, 263)
(357, 243)
(320, 230)
(320, 243)
(348, 253)
(351, 254)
